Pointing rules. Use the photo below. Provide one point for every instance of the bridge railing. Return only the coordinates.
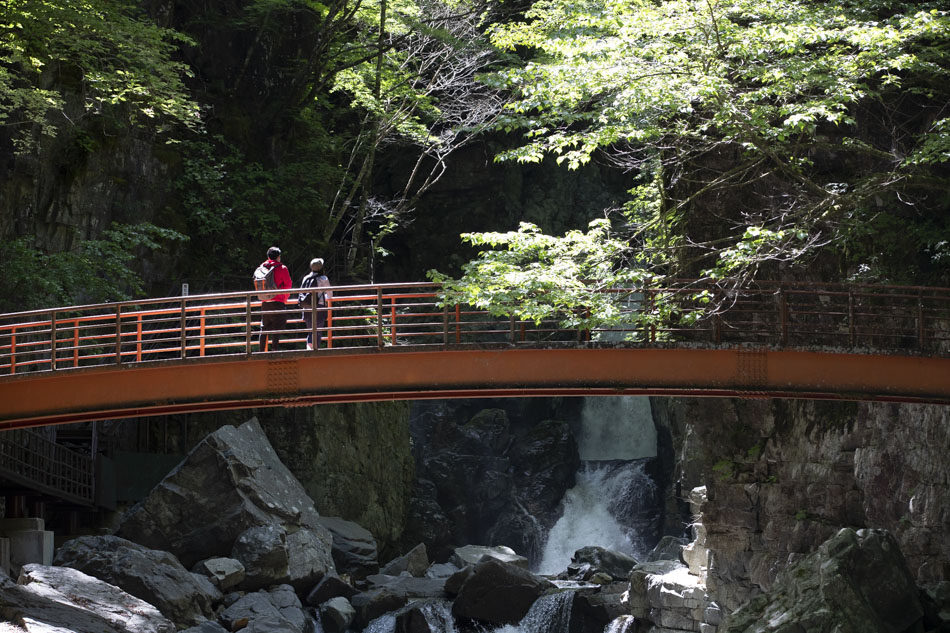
(769, 313)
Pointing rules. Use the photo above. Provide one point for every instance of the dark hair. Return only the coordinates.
(273, 252)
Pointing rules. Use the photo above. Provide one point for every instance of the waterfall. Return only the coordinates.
(549, 614)
(617, 427)
(613, 492)
(437, 614)
(622, 624)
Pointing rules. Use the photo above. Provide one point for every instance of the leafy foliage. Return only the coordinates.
(97, 271)
(811, 118)
(103, 50)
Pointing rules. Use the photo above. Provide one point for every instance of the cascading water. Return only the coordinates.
(613, 488)
(548, 614)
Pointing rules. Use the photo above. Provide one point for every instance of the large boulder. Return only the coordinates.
(224, 573)
(155, 576)
(473, 554)
(415, 562)
(49, 599)
(617, 565)
(278, 609)
(498, 593)
(354, 548)
(855, 581)
(273, 555)
(231, 481)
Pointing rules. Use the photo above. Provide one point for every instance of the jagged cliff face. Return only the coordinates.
(783, 476)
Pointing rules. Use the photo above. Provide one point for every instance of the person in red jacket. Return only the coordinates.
(274, 314)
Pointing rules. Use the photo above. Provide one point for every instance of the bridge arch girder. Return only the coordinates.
(308, 378)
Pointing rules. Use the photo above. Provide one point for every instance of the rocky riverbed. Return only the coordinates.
(230, 541)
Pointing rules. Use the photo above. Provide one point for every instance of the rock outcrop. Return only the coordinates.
(154, 576)
(64, 599)
(856, 581)
(233, 497)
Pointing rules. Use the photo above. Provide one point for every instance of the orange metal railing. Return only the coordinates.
(785, 315)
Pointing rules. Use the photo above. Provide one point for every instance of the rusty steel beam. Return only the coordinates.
(303, 379)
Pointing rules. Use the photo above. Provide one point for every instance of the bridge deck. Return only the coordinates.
(395, 341)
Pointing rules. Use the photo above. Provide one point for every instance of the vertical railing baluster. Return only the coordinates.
(12, 350)
(118, 334)
(445, 324)
(247, 326)
(921, 331)
(183, 324)
(392, 321)
(379, 317)
(202, 331)
(52, 340)
(75, 342)
(329, 325)
(314, 306)
(458, 324)
(851, 328)
(783, 315)
(513, 334)
(138, 338)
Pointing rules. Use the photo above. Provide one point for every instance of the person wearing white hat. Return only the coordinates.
(315, 279)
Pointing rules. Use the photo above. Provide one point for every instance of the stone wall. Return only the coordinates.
(782, 476)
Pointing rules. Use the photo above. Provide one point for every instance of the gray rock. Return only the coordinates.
(230, 482)
(330, 586)
(207, 627)
(615, 564)
(415, 561)
(354, 548)
(453, 584)
(224, 573)
(855, 581)
(154, 576)
(373, 603)
(66, 599)
(472, 554)
(669, 548)
(498, 592)
(336, 615)
(267, 612)
(271, 555)
(410, 587)
(441, 570)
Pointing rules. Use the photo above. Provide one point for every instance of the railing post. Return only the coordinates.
(202, 330)
(783, 315)
(118, 334)
(314, 315)
(184, 330)
(329, 324)
(52, 340)
(392, 320)
(851, 331)
(513, 335)
(445, 324)
(651, 306)
(12, 350)
(458, 324)
(379, 317)
(921, 331)
(247, 326)
(138, 339)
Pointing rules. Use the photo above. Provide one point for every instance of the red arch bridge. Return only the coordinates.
(397, 341)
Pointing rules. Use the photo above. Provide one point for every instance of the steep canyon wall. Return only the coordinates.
(782, 476)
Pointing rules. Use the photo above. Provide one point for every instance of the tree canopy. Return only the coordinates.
(762, 133)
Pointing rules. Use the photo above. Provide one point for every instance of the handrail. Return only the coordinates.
(29, 459)
(909, 319)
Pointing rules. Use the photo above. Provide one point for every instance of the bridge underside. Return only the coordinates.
(308, 378)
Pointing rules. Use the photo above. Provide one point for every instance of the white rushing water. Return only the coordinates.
(616, 427)
(620, 430)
